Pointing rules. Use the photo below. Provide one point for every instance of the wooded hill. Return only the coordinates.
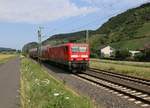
(6, 49)
(128, 30)
(28, 46)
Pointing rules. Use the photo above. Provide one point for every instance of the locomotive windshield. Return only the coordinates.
(79, 49)
(82, 49)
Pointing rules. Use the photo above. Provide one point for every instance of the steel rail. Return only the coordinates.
(122, 76)
(112, 88)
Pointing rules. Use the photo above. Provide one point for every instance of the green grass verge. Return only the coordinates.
(40, 90)
(128, 63)
(137, 71)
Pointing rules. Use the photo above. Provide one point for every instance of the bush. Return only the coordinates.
(139, 57)
(122, 54)
(147, 55)
(143, 56)
(93, 55)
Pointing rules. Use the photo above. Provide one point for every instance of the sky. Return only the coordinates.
(20, 19)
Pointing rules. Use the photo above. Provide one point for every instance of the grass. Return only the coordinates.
(40, 90)
(128, 63)
(5, 57)
(133, 44)
(123, 68)
(144, 30)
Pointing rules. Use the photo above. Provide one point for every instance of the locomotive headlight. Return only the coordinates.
(74, 56)
(84, 56)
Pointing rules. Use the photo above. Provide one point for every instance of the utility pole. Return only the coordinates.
(87, 36)
(39, 43)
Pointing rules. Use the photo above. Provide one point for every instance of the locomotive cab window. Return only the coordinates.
(75, 49)
(79, 49)
(82, 49)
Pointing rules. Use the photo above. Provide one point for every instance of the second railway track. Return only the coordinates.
(122, 76)
(133, 90)
(138, 95)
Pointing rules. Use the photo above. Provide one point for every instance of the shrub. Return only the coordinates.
(139, 57)
(143, 56)
(122, 54)
(94, 55)
(147, 54)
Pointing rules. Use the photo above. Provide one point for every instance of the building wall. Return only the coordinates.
(133, 53)
(107, 52)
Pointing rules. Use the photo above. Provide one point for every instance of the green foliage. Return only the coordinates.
(64, 38)
(129, 30)
(139, 57)
(122, 54)
(133, 44)
(7, 50)
(94, 55)
(147, 53)
(40, 90)
(144, 31)
(28, 46)
(136, 69)
(131, 25)
(125, 25)
(127, 63)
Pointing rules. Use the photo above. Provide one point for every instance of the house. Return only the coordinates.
(107, 52)
(133, 53)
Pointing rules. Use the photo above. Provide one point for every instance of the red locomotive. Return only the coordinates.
(74, 56)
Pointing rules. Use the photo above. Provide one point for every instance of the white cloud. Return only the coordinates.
(109, 8)
(38, 11)
(115, 3)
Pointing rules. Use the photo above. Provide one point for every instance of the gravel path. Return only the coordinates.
(102, 97)
(9, 84)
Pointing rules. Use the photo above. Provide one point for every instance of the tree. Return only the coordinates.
(122, 54)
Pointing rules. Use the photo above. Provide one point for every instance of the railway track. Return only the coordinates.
(140, 85)
(122, 76)
(136, 89)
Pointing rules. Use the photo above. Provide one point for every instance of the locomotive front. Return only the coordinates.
(79, 57)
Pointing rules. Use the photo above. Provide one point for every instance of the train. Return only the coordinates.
(73, 56)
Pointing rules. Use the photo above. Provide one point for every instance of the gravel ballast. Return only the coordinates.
(102, 97)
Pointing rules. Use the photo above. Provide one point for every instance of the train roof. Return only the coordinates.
(71, 44)
(66, 44)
